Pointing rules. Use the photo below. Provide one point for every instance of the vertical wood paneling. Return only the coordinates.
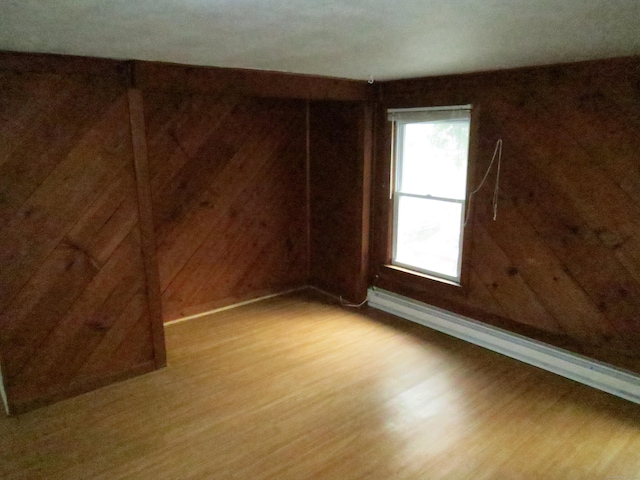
(340, 136)
(563, 256)
(72, 283)
(228, 189)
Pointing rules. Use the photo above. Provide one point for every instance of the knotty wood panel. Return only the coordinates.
(562, 261)
(339, 181)
(228, 189)
(72, 282)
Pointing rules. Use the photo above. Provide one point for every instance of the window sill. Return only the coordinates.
(426, 276)
(420, 286)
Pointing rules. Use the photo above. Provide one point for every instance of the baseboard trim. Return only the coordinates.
(576, 367)
(235, 305)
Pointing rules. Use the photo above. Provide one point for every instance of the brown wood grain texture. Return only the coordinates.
(340, 171)
(564, 254)
(511, 291)
(141, 162)
(595, 261)
(228, 189)
(366, 154)
(72, 283)
(254, 83)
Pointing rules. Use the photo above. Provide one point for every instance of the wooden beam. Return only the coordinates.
(138, 138)
(407, 92)
(340, 135)
(62, 64)
(366, 144)
(256, 83)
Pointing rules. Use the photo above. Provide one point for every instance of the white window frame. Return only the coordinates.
(400, 118)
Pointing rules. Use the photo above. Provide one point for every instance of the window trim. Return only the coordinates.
(398, 124)
(383, 273)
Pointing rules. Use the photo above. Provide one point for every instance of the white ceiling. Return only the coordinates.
(348, 38)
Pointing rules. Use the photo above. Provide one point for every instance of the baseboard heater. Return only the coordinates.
(570, 365)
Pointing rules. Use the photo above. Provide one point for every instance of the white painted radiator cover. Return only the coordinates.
(582, 369)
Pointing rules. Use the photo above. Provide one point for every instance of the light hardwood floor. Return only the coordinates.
(295, 388)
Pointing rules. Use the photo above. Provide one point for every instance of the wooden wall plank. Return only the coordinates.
(139, 141)
(602, 204)
(561, 295)
(101, 359)
(228, 190)
(512, 292)
(108, 220)
(81, 328)
(552, 213)
(52, 132)
(54, 206)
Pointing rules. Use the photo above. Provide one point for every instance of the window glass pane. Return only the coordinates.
(434, 158)
(428, 235)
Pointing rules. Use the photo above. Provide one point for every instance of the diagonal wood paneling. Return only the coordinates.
(564, 255)
(228, 190)
(72, 283)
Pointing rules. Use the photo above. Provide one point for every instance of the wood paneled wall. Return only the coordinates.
(562, 261)
(73, 297)
(340, 164)
(228, 161)
(228, 186)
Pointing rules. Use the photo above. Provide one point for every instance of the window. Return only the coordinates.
(429, 196)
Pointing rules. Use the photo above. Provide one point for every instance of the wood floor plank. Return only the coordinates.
(294, 388)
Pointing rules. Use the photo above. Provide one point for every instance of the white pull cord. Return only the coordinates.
(496, 153)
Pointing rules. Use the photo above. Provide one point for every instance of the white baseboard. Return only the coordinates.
(582, 369)
(235, 305)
